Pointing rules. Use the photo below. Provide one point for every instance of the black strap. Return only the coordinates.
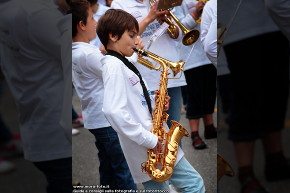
(135, 70)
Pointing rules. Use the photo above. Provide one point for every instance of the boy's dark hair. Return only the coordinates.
(115, 21)
(79, 13)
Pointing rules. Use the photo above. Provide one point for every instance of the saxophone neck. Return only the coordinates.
(154, 57)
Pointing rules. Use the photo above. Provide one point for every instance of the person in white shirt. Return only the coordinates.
(258, 58)
(127, 111)
(200, 74)
(164, 46)
(208, 30)
(88, 82)
(98, 10)
(32, 64)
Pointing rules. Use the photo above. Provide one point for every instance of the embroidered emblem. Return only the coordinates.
(134, 80)
(136, 14)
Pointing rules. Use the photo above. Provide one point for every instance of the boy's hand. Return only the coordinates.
(167, 99)
(139, 46)
(198, 10)
(153, 13)
(158, 148)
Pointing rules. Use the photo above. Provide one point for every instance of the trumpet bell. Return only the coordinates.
(190, 37)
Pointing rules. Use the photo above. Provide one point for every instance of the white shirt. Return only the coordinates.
(88, 82)
(197, 56)
(102, 2)
(31, 62)
(164, 46)
(101, 11)
(126, 109)
(279, 10)
(208, 30)
(251, 20)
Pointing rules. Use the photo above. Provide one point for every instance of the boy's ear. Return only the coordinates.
(113, 38)
(81, 25)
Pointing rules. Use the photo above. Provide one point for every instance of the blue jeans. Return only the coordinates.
(58, 174)
(184, 177)
(174, 105)
(74, 113)
(113, 169)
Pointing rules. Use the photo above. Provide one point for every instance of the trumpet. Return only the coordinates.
(172, 29)
(190, 36)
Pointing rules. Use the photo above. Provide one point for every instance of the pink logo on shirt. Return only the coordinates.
(136, 14)
(134, 80)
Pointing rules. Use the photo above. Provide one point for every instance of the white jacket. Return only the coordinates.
(126, 109)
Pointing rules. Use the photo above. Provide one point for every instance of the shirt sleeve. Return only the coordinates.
(115, 107)
(208, 35)
(279, 11)
(186, 19)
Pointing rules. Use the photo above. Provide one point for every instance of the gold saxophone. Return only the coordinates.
(171, 139)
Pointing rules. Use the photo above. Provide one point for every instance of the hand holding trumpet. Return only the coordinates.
(198, 10)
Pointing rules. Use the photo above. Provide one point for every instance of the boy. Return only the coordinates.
(164, 45)
(125, 108)
(87, 80)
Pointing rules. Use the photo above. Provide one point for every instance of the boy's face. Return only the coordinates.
(91, 26)
(126, 43)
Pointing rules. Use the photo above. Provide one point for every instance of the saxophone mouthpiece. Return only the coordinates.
(140, 52)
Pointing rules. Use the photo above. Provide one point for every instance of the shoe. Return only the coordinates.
(173, 189)
(5, 166)
(252, 185)
(12, 148)
(198, 143)
(78, 122)
(277, 172)
(210, 132)
(75, 131)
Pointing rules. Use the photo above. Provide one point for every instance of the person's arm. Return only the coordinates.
(189, 20)
(208, 32)
(152, 15)
(116, 109)
(279, 11)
